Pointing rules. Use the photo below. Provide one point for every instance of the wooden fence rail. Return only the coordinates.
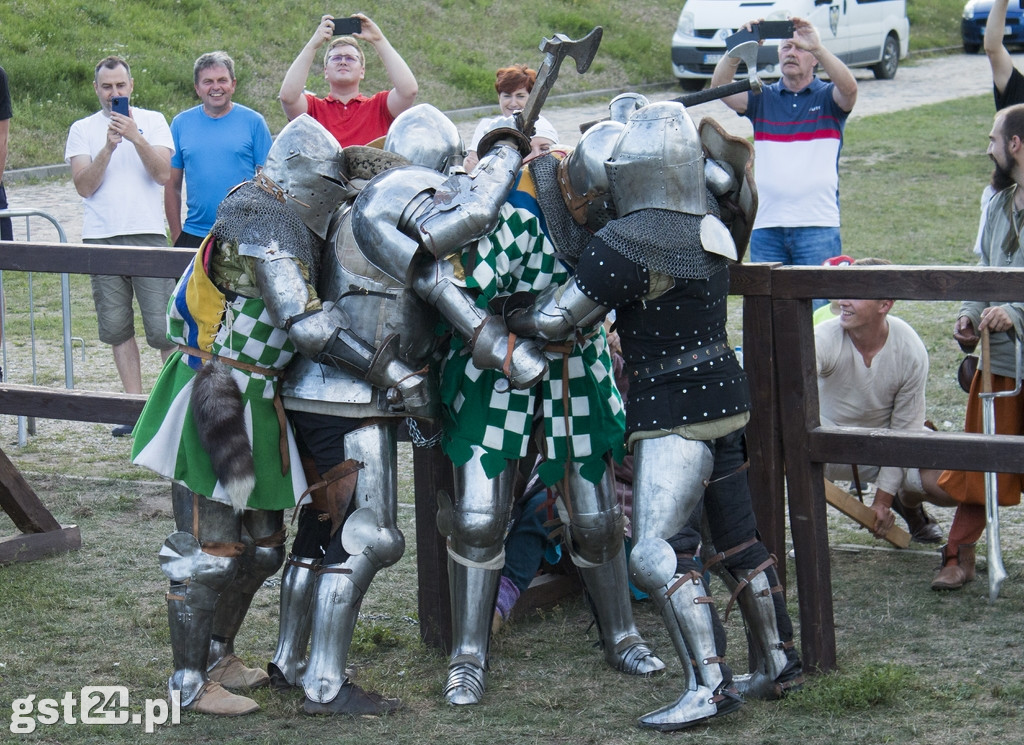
(787, 452)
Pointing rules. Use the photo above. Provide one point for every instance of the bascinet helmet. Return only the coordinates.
(658, 162)
(426, 137)
(307, 165)
(583, 178)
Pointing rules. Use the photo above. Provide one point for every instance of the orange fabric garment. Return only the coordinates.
(969, 486)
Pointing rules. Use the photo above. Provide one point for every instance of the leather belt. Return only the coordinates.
(672, 364)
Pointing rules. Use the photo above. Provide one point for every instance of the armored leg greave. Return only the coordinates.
(371, 540)
(473, 589)
(691, 623)
(476, 529)
(190, 609)
(749, 572)
(261, 559)
(594, 540)
(607, 590)
(670, 476)
(775, 667)
(337, 600)
(298, 586)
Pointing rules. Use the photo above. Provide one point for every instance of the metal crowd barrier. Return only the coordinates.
(26, 425)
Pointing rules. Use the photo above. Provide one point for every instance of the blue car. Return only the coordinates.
(975, 16)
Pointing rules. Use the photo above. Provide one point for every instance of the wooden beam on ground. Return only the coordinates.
(21, 503)
(32, 546)
(864, 515)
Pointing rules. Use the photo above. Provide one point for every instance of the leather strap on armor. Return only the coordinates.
(664, 367)
(333, 493)
(769, 562)
(730, 552)
(209, 356)
(688, 577)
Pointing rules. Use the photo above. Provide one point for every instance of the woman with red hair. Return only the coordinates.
(513, 84)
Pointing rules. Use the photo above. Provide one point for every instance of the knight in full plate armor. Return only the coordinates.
(490, 419)
(662, 264)
(214, 424)
(346, 425)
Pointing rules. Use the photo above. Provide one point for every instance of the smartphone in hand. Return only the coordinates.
(119, 105)
(347, 26)
(762, 30)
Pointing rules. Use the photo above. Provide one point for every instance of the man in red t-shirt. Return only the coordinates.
(350, 116)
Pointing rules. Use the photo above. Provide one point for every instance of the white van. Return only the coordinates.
(862, 33)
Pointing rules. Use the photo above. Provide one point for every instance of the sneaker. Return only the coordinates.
(122, 430)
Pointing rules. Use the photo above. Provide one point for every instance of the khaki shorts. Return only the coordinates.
(112, 295)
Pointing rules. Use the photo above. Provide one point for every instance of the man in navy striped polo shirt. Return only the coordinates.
(798, 133)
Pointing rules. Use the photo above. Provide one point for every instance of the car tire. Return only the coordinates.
(971, 48)
(692, 85)
(885, 69)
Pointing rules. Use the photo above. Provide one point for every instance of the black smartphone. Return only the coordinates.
(119, 104)
(775, 29)
(347, 26)
(762, 30)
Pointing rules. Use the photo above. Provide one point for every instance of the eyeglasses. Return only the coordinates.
(337, 59)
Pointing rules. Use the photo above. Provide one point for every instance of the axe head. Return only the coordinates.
(747, 53)
(582, 50)
(555, 50)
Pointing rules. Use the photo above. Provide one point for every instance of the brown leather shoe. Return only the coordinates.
(232, 673)
(955, 572)
(215, 699)
(923, 528)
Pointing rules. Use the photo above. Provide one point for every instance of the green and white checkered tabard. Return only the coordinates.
(517, 257)
(246, 334)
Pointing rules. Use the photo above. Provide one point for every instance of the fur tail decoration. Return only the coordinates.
(219, 416)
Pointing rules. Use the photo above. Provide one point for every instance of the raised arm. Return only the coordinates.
(806, 37)
(404, 90)
(294, 84)
(724, 73)
(998, 58)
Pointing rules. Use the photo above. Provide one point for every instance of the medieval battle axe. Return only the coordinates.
(555, 50)
(747, 53)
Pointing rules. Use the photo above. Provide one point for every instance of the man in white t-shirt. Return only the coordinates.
(119, 165)
(872, 372)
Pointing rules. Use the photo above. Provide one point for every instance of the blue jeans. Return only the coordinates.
(796, 246)
(527, 542)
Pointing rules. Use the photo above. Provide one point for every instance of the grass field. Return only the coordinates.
(49, 48)
(914, 666)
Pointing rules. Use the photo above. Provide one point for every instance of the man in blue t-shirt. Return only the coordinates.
(217, 145)
(798, 133)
